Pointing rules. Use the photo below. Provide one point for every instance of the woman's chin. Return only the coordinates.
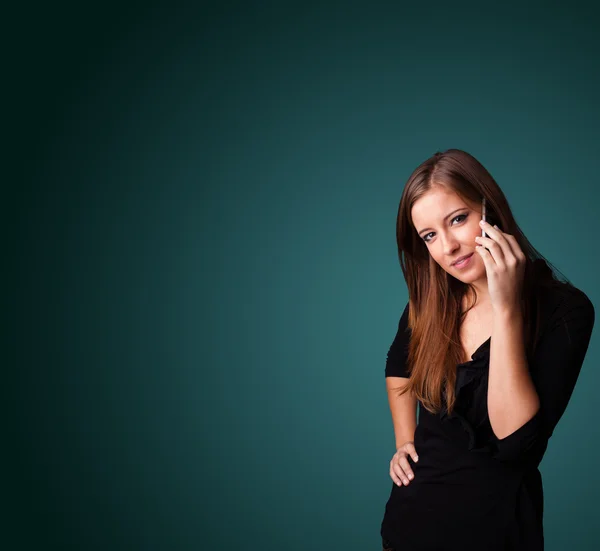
(469, 276)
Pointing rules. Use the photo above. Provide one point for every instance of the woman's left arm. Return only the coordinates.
(528, 400)
(512, 398)
(525, 402)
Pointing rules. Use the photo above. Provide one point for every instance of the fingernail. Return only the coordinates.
(482, 222)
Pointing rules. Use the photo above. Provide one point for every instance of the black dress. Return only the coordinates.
(471, 490)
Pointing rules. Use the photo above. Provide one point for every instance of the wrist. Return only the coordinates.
(509, 312)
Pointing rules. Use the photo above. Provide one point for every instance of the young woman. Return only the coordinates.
(490, 345)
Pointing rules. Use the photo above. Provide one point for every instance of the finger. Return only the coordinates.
(516, 248)
(494, 248)
(393, 475)
(401, 474)
(402, 468)
(487, 258)
(513, 255)
(491, 231)
(406, 468)
(410, 447)
(508, 255)
(509, 244)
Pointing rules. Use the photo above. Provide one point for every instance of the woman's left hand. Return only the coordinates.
(505, 266)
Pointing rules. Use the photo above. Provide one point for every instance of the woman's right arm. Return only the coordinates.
(403, 410)
(404, 418)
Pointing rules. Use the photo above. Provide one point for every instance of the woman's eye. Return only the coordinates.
(462, 216)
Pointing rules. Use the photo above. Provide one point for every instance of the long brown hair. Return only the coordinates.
(435, 297)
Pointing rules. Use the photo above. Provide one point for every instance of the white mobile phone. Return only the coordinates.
(483, 216)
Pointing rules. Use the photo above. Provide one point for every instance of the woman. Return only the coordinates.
(491, 349)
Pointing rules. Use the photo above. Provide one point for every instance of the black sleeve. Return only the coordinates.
(554, 370)
(395, 365)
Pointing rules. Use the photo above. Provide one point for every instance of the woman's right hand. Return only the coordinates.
(400, 469)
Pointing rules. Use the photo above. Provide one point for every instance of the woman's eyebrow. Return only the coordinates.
(445, 218)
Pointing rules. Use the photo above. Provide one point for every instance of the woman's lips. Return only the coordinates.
(463, 263)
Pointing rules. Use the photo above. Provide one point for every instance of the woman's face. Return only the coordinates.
(448, 226)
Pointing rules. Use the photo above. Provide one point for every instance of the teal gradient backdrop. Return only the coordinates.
(202, 223)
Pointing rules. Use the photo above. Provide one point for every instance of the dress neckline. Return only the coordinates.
(481, 351)
(482, 348)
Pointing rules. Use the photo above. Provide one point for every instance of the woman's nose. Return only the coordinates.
(449, 245)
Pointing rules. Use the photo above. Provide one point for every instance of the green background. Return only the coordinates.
(200, 212)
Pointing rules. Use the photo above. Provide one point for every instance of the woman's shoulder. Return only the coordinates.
(561, 300)
(562, 291)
